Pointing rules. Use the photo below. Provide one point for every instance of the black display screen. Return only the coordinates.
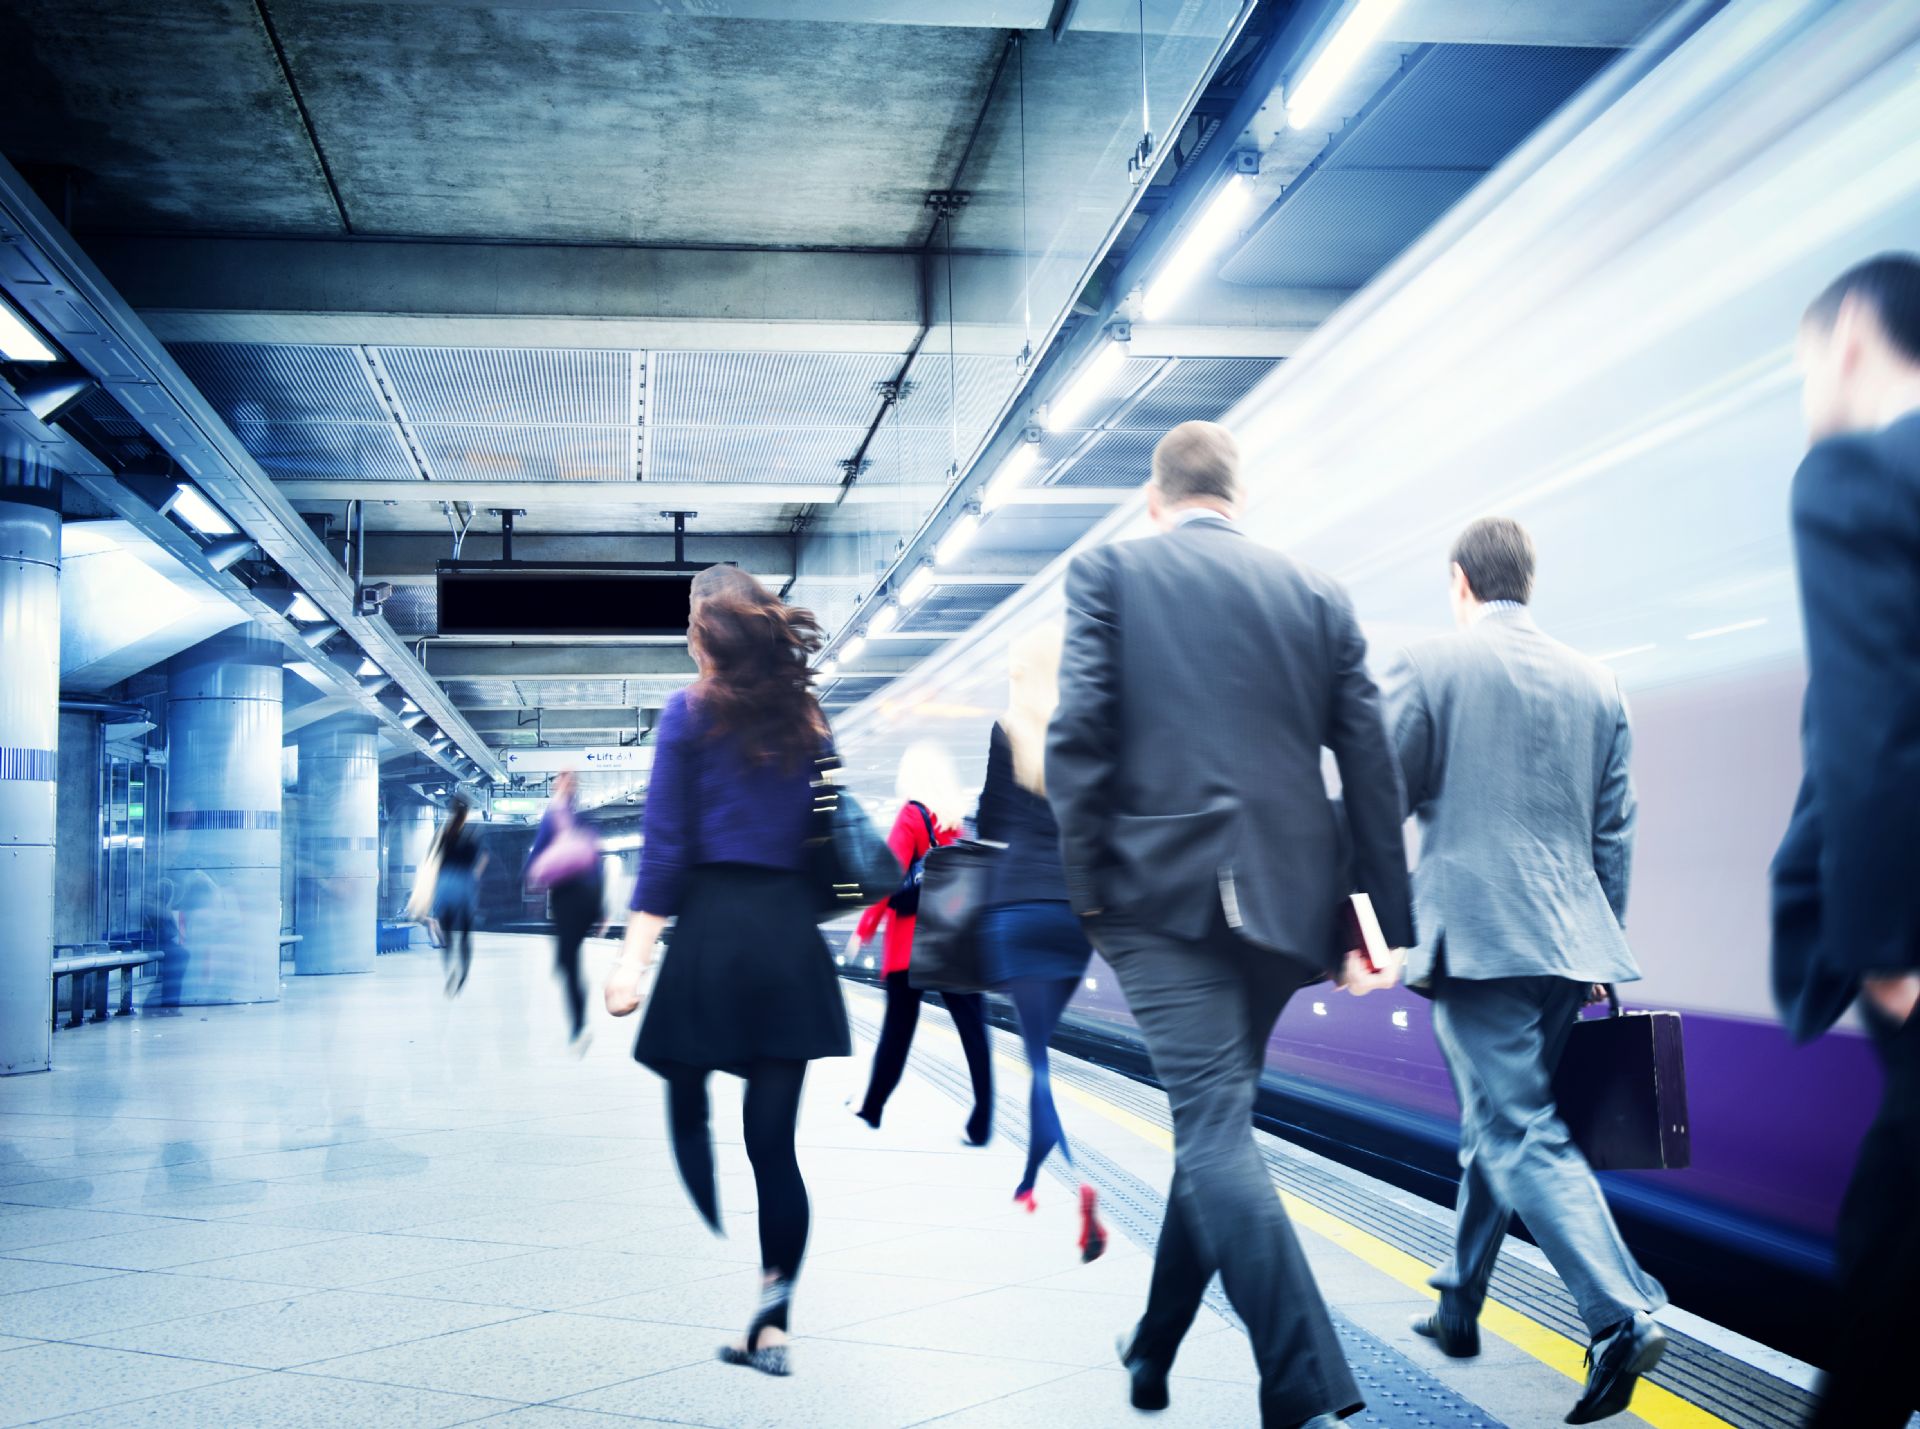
(564, 602)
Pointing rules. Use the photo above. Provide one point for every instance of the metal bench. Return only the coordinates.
(394, 936)
(90, 974)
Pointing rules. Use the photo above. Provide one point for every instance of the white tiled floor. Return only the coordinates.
(367, 1205)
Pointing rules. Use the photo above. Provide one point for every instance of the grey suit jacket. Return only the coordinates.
(1514, 749)
(1203, 675)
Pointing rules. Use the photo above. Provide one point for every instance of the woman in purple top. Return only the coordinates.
(748, 986)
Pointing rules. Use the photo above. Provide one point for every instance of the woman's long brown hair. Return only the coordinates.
(755, 683)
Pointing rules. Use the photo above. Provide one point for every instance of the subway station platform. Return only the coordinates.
(367, 1205)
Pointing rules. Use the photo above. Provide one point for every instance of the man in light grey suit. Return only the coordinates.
(1514, 751)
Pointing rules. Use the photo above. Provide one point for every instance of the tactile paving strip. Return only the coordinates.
(1399, 1394)
(1695, 1371)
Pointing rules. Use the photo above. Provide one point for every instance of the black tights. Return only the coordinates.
(896, 1036)
(576, 906)
(456, 952)
(770, 1112)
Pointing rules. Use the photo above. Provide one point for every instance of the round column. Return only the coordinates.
(339, 847)
(409, 835)
(29, 735)
(223, 815)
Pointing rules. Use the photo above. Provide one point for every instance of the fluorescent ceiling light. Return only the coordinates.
(1727, 629)
(1336, 61)
(85, 538)
(411, 720)
(917, 585)
(20, 341)
(303, 608)
(201, 514)
(959, 536)
(850, 651)
(828, 668)
(408, 707)
(1080, 394)
(367, 667)
(1013, 471)
(1217, 224)
(884, 619)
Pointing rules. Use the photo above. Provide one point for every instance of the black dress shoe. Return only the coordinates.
(1457, 1335)
(1149, 1380)
(1614, 1366)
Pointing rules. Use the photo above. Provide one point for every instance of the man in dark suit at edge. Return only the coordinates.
(1846, 881)
(1203, 675)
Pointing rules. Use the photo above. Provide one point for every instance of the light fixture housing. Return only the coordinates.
(192, 507)
(1337, 58)
(1012, 474)
(959, 536)
(227, 552)
(304, 609)
(1218, 222)
(1087, 384)
(20, 340)
(916, 586)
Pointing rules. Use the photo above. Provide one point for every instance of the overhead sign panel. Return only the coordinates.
(552, 761)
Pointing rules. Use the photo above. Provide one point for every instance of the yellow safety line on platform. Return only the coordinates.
(1659, 1407)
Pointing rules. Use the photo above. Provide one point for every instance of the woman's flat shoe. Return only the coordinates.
(768, 1359)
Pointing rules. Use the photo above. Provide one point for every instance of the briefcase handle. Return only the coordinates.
(1613, 1000)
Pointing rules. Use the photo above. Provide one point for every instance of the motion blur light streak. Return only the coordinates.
(1728, 629)
(1630, 650)
(1209, 232)
(1334, 63)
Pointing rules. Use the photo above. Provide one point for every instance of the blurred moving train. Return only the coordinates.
(1598, 342)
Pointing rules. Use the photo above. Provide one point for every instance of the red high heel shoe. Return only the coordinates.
(1093, 1235)
(1025, 1198)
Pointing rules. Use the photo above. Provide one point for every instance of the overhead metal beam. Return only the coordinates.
(409, 555)
(533, 495)
(290, 290)
(967, 14)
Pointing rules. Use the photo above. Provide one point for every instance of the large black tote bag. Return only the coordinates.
(1622, 1091)
(953, 889)
(848, 862)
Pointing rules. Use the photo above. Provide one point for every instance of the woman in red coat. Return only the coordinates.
(930, 814)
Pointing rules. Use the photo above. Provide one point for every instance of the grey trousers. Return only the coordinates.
(1502, 1038)
(1206, 1010)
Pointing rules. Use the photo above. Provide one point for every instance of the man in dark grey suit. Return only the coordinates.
(1202, 677)
(1846, 901)
(1514, 749)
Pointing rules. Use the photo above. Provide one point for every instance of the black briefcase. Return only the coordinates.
(953, 890)
(1622, 1091)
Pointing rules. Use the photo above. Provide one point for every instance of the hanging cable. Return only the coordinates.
(1026, 246)
(953, 361)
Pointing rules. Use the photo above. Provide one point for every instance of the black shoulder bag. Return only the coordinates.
(848, 862)
(905, 900)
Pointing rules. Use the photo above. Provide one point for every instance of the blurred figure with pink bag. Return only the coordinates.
(564, 862)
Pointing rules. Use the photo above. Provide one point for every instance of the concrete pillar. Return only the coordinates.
(409, 835)
(29, 753)
(223, 815)
(339, 846)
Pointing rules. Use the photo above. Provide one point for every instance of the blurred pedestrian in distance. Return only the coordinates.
(565, 863)
(1202, 677)
(1514, 750)
(1846, 903)
(456, 893)
(932, 808)
(1032, 946)
(747, 986)
(163, 931)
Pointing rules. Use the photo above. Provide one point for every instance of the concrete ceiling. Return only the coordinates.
(602, 260)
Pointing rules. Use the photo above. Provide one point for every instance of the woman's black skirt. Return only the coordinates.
(746, 976)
